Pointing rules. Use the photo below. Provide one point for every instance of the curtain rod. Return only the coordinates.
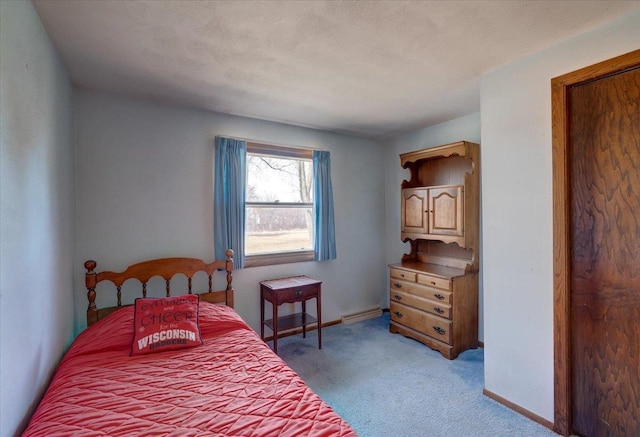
(249, 140)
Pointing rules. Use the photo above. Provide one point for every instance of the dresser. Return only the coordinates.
(433, 290)
(435, 305)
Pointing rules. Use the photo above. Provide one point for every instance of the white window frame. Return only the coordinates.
(284, 257)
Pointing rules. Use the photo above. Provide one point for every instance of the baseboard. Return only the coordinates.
(297, 331)
(518, 409)
(362, 315)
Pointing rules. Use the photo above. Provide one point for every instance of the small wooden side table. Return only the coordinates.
(290, 290)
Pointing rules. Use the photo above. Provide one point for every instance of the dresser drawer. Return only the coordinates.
(421, 303)
(421, 321)
(403, 274)
(421, 291)
(433, 281)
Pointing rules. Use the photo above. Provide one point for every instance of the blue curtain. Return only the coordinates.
(228, 198)
(325, 235)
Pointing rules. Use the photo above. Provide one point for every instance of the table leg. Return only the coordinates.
(304, 319)
(261, 314)
(275, 326)
(319, 320)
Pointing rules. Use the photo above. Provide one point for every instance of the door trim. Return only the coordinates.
(562, 227)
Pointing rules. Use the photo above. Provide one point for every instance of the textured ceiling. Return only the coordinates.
(368, 68)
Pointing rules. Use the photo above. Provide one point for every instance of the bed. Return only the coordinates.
(230, 385)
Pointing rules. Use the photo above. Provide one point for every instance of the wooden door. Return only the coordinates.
(604, 163)
(413, 211)
(446, 209)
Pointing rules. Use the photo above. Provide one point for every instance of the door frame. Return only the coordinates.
(562, 227)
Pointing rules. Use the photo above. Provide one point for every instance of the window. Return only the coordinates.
(279, 205)
(281, 201)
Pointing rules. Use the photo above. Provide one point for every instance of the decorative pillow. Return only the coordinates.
(165, 323)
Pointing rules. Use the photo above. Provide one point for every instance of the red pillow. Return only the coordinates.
(165, 323)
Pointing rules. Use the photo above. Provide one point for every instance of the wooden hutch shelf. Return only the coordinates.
(434, 289)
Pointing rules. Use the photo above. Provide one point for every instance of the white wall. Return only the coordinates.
(145, 190)
(464, 128)
(517, 211)
(36, 214)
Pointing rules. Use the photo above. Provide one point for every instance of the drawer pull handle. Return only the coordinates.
(439, 330)
(397, 297)
(432, 282)
(299, 293)
(438, 310)
(398, 314)
(397, 284)
(439, 296)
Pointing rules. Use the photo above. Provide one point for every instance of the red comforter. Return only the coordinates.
(232, 385)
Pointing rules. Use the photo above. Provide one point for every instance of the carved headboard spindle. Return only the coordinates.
(168, 282)
(229, 254)
(144, 289)
(189, 284)
(119, 292)
(90, 282)
(229, 268)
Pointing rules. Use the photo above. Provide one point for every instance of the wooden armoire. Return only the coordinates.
(434, 289)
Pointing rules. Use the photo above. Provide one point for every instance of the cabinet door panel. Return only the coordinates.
(446, 208)
(414, 211)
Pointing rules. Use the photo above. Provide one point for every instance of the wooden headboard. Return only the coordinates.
(166, 268)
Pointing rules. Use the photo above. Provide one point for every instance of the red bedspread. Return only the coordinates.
(232, 385)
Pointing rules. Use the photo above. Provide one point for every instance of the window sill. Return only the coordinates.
(269, 259)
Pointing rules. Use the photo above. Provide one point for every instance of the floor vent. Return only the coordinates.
(363, 315)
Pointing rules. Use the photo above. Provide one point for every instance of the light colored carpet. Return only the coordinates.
(387, 385)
